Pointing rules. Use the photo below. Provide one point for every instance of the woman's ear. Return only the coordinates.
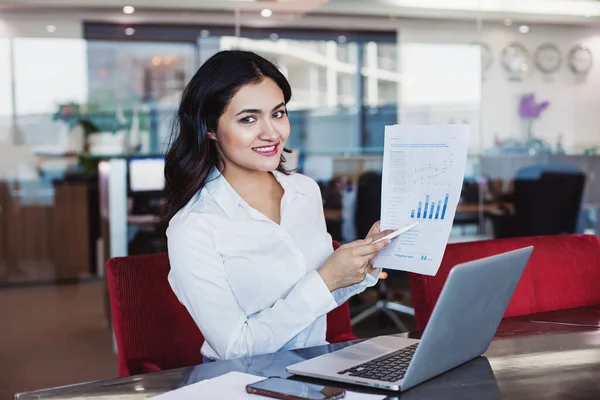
(211, 135)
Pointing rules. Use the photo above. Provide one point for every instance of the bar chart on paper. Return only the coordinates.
(432, 209)
(423, 171)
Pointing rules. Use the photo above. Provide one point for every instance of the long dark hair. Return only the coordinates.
(192, 154)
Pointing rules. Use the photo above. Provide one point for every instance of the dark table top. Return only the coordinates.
(585, 316)
(527, 359)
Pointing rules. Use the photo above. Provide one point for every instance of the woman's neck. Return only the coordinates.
(250, 184)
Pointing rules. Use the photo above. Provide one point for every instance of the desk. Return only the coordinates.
(584, 316)
(526, 360)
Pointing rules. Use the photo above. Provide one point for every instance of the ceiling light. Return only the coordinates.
(524, 29)
(128, 9)
(129, 31)
(51, 28)
(507, 22)
(266, 13)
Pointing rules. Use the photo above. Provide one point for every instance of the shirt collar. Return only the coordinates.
(225, 196)
(229, 200)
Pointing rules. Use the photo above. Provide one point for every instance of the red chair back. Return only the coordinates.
(153, 330)
(562, 272)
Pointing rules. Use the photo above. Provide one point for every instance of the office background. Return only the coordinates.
(87, 92)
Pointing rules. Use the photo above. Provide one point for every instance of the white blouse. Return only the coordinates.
(250, 284)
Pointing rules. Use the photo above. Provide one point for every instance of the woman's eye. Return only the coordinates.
(279, 114)
(248, 120)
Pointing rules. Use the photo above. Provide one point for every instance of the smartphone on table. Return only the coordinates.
(285, 389)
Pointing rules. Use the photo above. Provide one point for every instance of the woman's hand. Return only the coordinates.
(350, 263)
(375, 231)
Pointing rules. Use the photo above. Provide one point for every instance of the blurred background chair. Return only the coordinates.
(368, 211)
(562, 273)
(154, 331)
(547, 201)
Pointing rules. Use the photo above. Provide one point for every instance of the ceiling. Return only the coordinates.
(549, 11)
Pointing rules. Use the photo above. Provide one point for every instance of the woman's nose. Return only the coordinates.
(269, 132)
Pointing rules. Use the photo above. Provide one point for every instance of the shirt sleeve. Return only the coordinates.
(342, 295)
(199, 281)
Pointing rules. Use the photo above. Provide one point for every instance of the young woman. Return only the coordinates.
(250, 255)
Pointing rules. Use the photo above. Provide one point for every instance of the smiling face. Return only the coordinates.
(253, 129)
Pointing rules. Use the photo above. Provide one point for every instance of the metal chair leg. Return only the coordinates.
(388, 308)
(366, 313)
(400, 308)
(401, 327)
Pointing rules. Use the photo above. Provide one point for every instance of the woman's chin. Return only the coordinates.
(268, 165)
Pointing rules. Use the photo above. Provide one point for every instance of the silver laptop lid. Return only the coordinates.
(467, 314)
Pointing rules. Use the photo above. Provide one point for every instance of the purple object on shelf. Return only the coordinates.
(529, 109)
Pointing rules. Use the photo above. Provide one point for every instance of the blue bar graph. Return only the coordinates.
(445, 206)
(431, 208)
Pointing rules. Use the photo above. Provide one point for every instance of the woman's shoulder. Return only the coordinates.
(303, 183)
(197, 214)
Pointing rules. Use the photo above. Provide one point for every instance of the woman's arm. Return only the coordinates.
(199, 280)
(343, 294)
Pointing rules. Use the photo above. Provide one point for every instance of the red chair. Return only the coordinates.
(153, 330)
(563, 272)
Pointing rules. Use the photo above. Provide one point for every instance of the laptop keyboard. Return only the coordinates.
(389, 367)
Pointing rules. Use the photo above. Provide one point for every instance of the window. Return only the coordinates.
(330, 110)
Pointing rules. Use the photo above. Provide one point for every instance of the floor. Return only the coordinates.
(56, 335)
(52, 336)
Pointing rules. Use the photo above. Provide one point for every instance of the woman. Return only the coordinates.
(250, 255)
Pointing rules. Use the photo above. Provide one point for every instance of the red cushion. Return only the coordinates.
(563, 272)
(153, 330)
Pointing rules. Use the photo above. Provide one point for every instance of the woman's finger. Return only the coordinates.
(360, 242)
(375, 228)
(372, 248)
(381, 234)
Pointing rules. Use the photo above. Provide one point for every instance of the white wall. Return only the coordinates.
(574, 103)
(68, 25)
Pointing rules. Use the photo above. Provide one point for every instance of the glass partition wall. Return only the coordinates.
(526, 90)
(112, 94)
(539, 153)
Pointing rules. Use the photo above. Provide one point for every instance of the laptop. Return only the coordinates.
(462, 325)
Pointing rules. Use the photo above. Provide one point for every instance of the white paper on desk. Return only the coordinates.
(232, 386)
(423, 172)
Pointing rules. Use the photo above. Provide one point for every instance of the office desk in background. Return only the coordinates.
(529, 358)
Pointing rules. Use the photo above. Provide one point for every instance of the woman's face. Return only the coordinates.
(253, 129)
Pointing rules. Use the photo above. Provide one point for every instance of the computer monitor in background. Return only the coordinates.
(146, 175)
(146, 184)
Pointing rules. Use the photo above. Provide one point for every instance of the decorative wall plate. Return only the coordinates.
(548, 58)
(516, 60)
(580, 60)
